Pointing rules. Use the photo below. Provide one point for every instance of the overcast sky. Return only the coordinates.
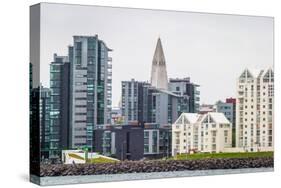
(211, 49)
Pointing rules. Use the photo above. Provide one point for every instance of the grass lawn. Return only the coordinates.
(222, 155)
(101, 160)
(73, 155)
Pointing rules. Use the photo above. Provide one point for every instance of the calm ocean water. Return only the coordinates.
(59, 180)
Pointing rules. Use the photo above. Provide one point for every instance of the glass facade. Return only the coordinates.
(90, 89)
(59, 105)
(55, 79)
(44, 110)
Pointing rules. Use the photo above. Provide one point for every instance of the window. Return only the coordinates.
(225, 133)
(146, 149)
(270, 106)
(270, 100)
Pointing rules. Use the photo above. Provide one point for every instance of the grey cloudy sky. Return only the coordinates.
(212, 49)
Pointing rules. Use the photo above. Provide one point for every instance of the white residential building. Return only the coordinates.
(210, 133)
(254, 110)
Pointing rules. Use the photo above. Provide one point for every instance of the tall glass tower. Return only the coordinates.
(60, 99)
(90, 88)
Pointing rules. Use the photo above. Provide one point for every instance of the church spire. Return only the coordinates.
(159, 78)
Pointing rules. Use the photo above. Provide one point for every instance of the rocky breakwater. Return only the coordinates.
(154, 166)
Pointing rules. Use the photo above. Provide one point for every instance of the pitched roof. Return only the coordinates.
(218, 117)
(190, 117)
(270, 69)
(254, 72)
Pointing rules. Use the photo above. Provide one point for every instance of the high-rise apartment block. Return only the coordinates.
(60, 105)
(134, 101)
(80, 85)
(254, 110)
(90, 85)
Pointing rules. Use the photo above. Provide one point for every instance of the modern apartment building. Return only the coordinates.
(134, 141)
(189, 91)
(164, 107)
(60, 105)
(134, 101)
(143, 103)
(90, 85)
(254, 110)
(208, 133)
(80, 85)
(157, 140)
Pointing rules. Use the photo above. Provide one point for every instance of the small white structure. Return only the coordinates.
(192, 132)
(73, 156)
(80, 156)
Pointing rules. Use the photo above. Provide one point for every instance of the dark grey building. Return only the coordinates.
(134, 101)
(44, 110)
(60, 105)
(189, 91)
(133, 142)
(157, 140)
(35, 155)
